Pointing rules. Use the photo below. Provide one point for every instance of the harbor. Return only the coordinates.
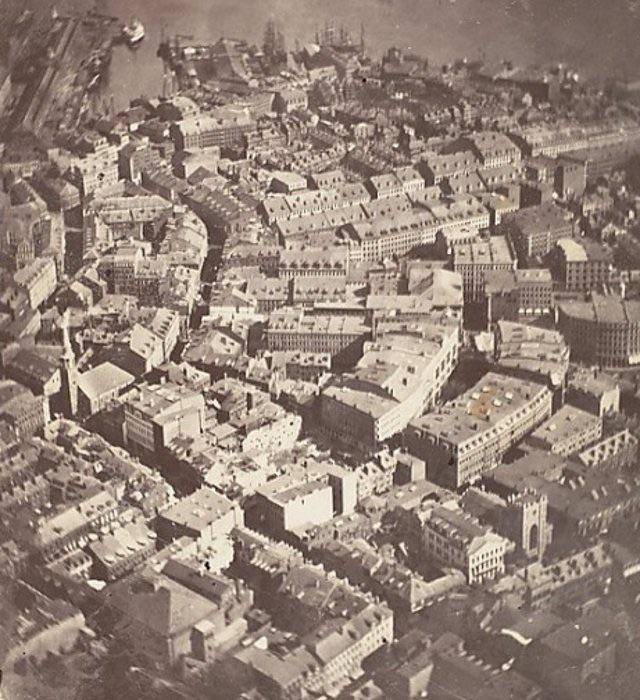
(59, 68)
(96, 58)
(579, 33)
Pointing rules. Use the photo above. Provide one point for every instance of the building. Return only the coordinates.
(387, 185)
(331, 627)
(535, 290)
(135, 158)
(445, 668)
(291, 100)
(574, 139)
(204, 516)
(110, 218)
(122, 551)
(99, 386)
(440, 166)
(307, 366)
(525, 521)
(362, 565)
(510, 293)
(34, 370)
(223, 213)
(474, 261)
(594, 391)
(456, 539)
(468, 436)
(340, 336)
(536, 230)
(269, 429)
(567, 431)
(531, 353)
(582, 265)
(618, 451)
(26, 233)
(285, 182)
(410, 179)
(221, 632)
(39, 279)
(96, 171)
(24, 413)
(159, 617)
(575, 655)
(224, 127)
(383, 236)
(580, 499)
(570, 177)
(310, 262)
(584, 574)
(291, 502)
(399, 377)
(494, 149)
(603, 331)
(67, 530)
(156, 414)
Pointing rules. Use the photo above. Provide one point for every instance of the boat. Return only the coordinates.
(97, 68)
(134, 32)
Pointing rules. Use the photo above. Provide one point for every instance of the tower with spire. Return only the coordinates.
(68, 371)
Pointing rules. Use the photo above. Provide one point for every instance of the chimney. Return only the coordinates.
(249, 400)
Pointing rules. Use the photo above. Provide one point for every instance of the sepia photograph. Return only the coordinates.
(319, 349)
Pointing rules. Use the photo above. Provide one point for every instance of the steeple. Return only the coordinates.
(68, 371)
(67, 353)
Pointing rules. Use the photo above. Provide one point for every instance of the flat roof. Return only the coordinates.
(198, 510)
(567, 422)
(492, 401)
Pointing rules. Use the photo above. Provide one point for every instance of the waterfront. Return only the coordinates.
(599, 39)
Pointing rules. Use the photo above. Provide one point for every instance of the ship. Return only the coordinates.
(134, 32)
(97, 68)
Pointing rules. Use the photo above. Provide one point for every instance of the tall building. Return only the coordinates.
(582, 265)
(400, 375)
(468, 436)
(474, 261)
(604, 331)
(224, 127)
(39, 279)
(536, 230)
(156, 414)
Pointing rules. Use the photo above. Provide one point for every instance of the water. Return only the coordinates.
(598, 37)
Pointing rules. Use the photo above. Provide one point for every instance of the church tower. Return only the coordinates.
(68, 371)
(534, 532)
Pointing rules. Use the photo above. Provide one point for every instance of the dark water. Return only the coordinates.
(598, 37)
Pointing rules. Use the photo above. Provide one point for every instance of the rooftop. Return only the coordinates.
(563, 425)
(199, 510)
(103, 379)
(492, 402)
(496, 250)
